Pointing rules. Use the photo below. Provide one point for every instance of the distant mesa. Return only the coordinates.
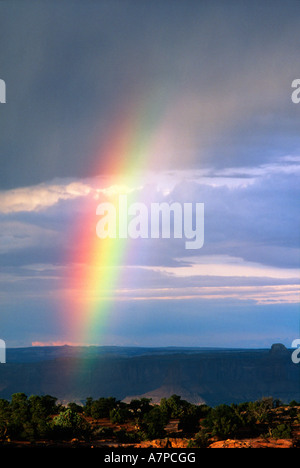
(166, 391)
(279, 349)
(210, 376)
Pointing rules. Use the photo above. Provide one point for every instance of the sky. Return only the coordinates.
(164, 101)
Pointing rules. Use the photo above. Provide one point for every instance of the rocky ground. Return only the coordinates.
(175, 439)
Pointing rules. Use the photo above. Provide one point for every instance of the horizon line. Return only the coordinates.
(67, 345)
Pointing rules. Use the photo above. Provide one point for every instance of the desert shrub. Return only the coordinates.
(282, 431)
(102, 432)
(201, 440)
(153, 424)
(19, 408)
(75, 407)
(174, 406)
(223, 421)
(41, 408)
(139, 408)
(99, 408)
(87, 407)
(4, 417)
(26, 418)
(292, 412)
(119, 415)
(260, 410)
(189, 421)
(124, 436)
(69, 424)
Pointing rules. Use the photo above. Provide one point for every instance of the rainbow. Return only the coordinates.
(137, 136)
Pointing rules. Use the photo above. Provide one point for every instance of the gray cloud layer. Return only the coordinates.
(256, 220)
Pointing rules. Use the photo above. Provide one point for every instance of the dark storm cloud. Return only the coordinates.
(70, 67)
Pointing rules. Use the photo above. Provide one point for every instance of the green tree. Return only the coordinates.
(19, 416)
(101, 408)
(42, 406)
(174, 406)
(119, 415)
(201, 440)
(69, 424)
(189, 420)
(87, 408)
(140, 407)
(19, 408)
(4, 417)
(261, 409)
(41, 409)
(223, 421)
(282, 431)
(75, 407)
(153, 424)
